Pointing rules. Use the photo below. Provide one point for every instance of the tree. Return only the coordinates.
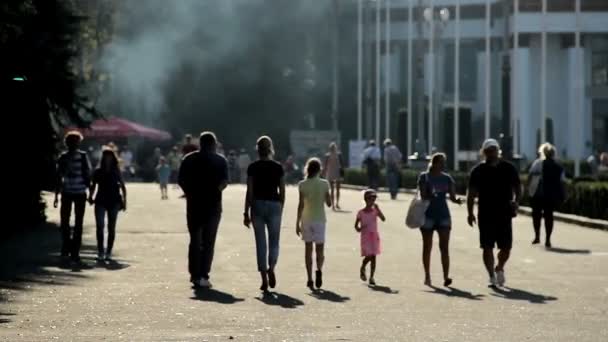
(39, 46)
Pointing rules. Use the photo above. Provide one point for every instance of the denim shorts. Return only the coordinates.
(436, 224)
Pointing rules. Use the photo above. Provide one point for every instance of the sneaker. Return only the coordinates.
(493, 281)
(536, 241)
(372, 281)
(204, 283)
(500, 278)
(101, 257)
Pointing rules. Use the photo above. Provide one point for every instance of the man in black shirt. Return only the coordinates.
(496, 184)
(203, 176)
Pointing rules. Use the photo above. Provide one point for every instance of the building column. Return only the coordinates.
(575, 103)
(528, 122)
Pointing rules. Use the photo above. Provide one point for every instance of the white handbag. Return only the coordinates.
(416, 214)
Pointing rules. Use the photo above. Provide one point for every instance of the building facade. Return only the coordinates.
(509, 65)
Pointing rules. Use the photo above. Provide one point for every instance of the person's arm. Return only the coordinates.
(516, 188)
(380, 213)
(282, 191)
(453, 197)
(425, 191)
(223, 174)
(182, 176)
(92, 189)
(248, 201)
(123, 189)
(472, 193)
(300, 211)
(59, 180)
(328, 198)
(358, 224)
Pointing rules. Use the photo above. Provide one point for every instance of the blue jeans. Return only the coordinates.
(392, 179)
(267, 215)
(100, 215)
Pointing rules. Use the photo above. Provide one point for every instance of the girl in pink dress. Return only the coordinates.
(367, 225)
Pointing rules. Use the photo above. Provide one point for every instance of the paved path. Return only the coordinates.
(551, 296)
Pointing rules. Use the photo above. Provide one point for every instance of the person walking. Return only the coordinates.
(264, 207)
(371, 160)
(73, 180)
(163, 172)
(496, 185)
(435, 186)
(311, 219)
(366, 225)
(333, 171)
(109, 194)
(203, 176)
(546, 187)
(392, 160)
(188, 146)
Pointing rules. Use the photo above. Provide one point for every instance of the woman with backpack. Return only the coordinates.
(546, 188)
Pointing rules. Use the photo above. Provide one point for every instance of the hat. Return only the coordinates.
(490, 143)
(370, 192)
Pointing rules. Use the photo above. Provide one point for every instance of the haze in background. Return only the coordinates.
(239, 67)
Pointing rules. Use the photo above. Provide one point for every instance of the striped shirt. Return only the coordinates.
(74, 172)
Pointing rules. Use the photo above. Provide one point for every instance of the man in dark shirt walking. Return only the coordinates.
(496, 184)
(203, 176)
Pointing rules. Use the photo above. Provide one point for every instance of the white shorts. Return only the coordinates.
(313, 232)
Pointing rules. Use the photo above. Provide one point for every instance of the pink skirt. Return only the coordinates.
(370, 243)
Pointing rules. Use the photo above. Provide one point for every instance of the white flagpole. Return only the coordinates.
(488, 70)
(387, 72)
(457, 85)
(410, 27)
(360, 70)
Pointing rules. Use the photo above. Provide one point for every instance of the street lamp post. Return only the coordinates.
(429, 17)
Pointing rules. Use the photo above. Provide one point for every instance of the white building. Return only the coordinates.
(548, 59)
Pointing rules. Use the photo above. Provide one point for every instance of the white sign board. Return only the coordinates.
(312, 143)
(355, 155)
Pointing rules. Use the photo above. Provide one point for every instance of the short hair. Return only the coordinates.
(333, 145)
(207, 140)
(265, 146)
(546, 151)
(313, 167)
(72, 136)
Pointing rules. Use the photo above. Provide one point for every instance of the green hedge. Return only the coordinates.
(584, 197)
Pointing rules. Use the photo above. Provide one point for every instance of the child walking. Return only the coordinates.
(367, 225)
(311, 222)
(164, 175)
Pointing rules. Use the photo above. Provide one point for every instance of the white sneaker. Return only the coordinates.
(493, 281)
(205, 283)
(500, 278)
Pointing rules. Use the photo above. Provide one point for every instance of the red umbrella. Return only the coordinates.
(121, 128)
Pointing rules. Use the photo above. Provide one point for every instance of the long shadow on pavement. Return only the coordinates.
(215, 296)
(328, 296)
(5, 320)
(279, 299)
(560, 250)
(454, 292)
(384, 289)
(517, 294)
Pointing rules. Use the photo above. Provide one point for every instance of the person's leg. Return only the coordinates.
(372, 270)
(209, 235)
(338, 185)
(488, 260)
(320, 251)
(274, 237)
(364, 263)
(332, 186)
(66, 212)
(427, 246)
(503, 256)
(548, 216)
(79, 208)
(112, 218)
(195, 246)
(390, 179)
(444, 248)
(308, 261)
(100, 213)
(536, 219)
(261, 246)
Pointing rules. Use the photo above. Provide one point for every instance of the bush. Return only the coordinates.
(584, 197)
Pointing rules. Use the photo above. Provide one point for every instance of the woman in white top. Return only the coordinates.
(333, 172)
